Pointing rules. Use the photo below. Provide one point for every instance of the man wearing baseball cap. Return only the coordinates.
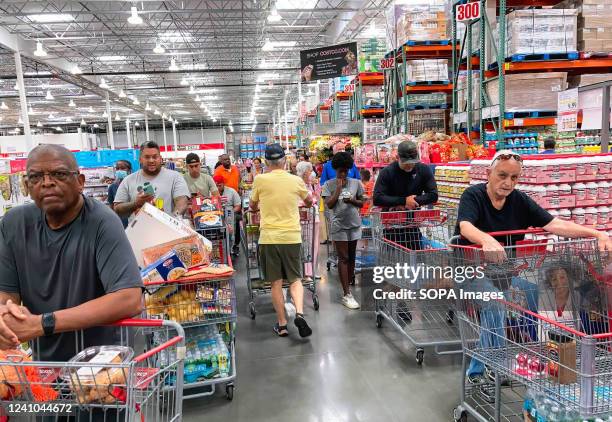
(276, 195)
(405, 184)
(197, 182)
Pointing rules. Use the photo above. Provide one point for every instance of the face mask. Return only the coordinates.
(121, 174)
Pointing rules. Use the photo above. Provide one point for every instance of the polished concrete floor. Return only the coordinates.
(347, 371)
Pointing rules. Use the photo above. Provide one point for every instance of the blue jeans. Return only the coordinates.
(493, 316)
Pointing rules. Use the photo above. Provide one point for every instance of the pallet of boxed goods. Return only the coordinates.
(541, 31)
(594, 24)
(535, 91)
(419, 22)
(588, 79)
(427, 70)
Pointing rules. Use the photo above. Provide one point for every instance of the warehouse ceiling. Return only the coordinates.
(194, 60)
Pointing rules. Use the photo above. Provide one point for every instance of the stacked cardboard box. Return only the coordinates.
(589, 79)
(594, 24)
(420, 22)
(462, 93)
(427, 70)
(537, 31)
(530, 91)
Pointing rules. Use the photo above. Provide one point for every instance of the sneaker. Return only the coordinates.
(490, 374)
(350, 302)
(290, 310)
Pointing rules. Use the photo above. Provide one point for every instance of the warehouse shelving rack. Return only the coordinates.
(489, 116)
(360, 111)
(396, 80)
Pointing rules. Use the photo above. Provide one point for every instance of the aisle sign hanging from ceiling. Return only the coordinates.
(329, 62)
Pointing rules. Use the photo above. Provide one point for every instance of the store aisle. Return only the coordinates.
(348, 371)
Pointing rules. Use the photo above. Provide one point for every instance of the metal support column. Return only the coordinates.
(109, 128)
(147, 126)
(605, 120)
(174, 138)
(127, 131)
(164, 130)
(286, 125)
(23, 102)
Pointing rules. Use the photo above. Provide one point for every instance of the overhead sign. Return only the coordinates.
(468, 11)
(329, 62)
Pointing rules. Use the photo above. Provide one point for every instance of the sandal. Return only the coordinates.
(280, 330)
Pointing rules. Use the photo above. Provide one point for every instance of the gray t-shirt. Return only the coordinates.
(203, 185)
(232, 199)
(343, 216)
(168, 185)
(59, 269)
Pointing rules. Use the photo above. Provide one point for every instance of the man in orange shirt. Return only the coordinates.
(231, 179)
(230, 173)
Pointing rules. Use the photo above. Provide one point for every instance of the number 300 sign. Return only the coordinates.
(468, 11)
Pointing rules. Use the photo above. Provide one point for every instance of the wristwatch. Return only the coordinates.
(48, 323)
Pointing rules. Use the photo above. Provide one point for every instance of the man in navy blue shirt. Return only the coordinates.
(549, 146)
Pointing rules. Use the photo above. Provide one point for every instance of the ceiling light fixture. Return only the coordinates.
(135, 19)
(50, 116)
(49, 96)
(122, 94)
(3, 106)
(103, 84)
(159, 49)
(39, 124)
(20, 121)
(164, 117)
(68, 120)
(192, 90)
(76, 70)
(184, 82)
(147, 106)
(137, 124)
(71, 103)
(40, 51)
(51, 17)
(16, 87)
(117, 118)
(90, 110)
(274, 16)
(96, 126)
(173, 67)
(59, 129)
(105, 114)
(30, 110)
(136, 102)
(156, 112)
(268, 46)
(83, 123)
(197, 99)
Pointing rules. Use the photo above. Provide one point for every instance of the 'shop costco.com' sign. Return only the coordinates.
(329, 62)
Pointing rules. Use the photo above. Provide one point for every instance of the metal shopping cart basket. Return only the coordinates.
(366, 250)
(417, 241)
(547, 329)
(135, 384)
(255, 276)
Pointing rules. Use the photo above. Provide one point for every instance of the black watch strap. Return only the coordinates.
(48, 323)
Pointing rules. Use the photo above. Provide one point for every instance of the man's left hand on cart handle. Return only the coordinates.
(411, 202)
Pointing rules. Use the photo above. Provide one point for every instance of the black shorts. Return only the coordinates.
(281, 262)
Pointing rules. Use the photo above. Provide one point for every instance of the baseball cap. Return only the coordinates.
(274, 152)
(408, 153)
(218, 178)
(192, 158)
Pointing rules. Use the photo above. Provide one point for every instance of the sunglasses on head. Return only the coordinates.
(508, 156)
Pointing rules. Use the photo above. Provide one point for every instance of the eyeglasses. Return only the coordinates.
(505, 157)
(35, 178)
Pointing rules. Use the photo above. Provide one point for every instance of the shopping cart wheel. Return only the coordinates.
(420, 354)
(379, 321)
(229, 392)
(315, 302)
(252, 310)
(450, 316)
(459, 415)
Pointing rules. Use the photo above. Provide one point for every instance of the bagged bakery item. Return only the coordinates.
(97, 379)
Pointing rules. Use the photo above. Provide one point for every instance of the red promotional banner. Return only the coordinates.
(18, 166)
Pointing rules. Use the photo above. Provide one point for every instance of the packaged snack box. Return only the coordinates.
(167, 268)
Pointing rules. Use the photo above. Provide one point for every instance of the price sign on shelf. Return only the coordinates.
(387, 63)
(349, 87)
(468, 11)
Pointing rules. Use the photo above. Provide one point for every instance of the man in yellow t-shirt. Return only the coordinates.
(276, 194)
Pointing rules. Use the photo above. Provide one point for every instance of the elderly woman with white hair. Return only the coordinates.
(305, 171)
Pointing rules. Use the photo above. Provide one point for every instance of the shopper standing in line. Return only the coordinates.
(328, 171)
(304, 171)
(170, 164)
(198, 182)
(344, 198)
(231, 179)
(122, 169)
(248, 173)
(231, 199)
(497, 206)
(67, 261)
(276, 195)
(164, 188)
(549, 145)
(406, 184)
(258, 166)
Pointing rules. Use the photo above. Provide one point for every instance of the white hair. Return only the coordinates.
(303, 167)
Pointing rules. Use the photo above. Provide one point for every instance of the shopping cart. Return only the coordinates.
(250, 242)
(138, 386)
(366, 250)
(418, 240)
(547, 330)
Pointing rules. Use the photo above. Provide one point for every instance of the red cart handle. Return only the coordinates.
(139, 322)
